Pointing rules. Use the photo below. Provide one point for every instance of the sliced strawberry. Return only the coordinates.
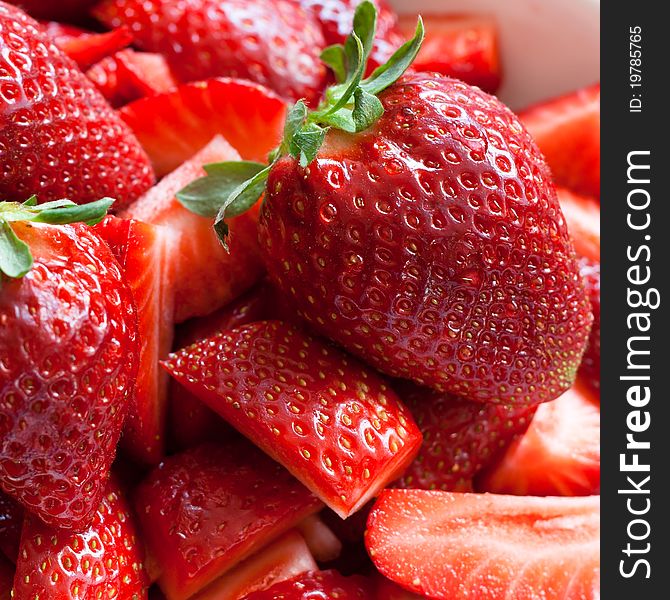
(6, 578)
(388, 590)
(144, 253)
(328, 419)
(11, 521)
(317, 584)
(460, 46)
(583, 217)
(104, 561)
(205, 510)
(559, 455)
(460, 438)
(455, 546)
(285, 558)
(567, 130)
(172, 127)
(206, 276)
(590, 367)
(321, 541)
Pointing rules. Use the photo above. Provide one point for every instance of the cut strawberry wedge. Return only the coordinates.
(329, 420)
(455, 546)
(388, 590)
(316, 585)
(11, 521)
(559, 455)
(172, 127)
(206, 276)
(460, 46)
(207, 509)
(583, 218)
(144, 253)
(567, 130)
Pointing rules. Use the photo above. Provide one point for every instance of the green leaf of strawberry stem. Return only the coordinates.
(333, 56)
(15, 257)
(61, 214)
(367, 109)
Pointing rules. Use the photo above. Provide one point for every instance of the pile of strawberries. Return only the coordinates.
(291, 308)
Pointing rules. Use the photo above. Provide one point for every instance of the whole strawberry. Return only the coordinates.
(68, 359)
(274, 43)
(58, 136)
(414, 222)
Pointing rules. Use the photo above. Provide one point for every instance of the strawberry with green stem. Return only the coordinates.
(413, 221)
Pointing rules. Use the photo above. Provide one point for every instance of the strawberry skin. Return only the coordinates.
(143, 252)
(11, 521)
(330, 421)
(275, 44)
(69, 348)
(316, 585)
(58, 136)
(432, 245)
(559, 455)
(205, 510)
(103, 561)
(480, 546)
(460, 438)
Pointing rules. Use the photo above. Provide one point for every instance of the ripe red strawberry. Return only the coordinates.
(461, 46)
(144, 251)
(567, 130)
(275, 44)
(316, 585)
(172, 127)
(330, 421)
(58, 136)
(460, 438)
(68, 360)
(103, 561)
(11, 521)
(206, 276)
(205, 510)
(387, 590)
(62, 10)
(559, 455)
(460, 546)
(583, 218)
(590, 367)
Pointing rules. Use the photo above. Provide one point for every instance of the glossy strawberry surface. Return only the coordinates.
(328, 419)
(58, 136)
(318, 585)
(432, 245)
(276, 44)
(68, 360)
(208, 508)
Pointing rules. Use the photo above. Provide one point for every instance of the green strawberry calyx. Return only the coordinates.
(230, 188)
(15, 256)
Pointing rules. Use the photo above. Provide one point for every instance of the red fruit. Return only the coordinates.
(448, 263)
(69, 348)
(464, 47)
(143, 251)
(206, 276)
(330, 421)
(460, 438)
(58, 136)
(590, 367)
(6, 578)
(11, 521)
(205, 510)
(321, 540)
(567, 130)
(387, 590)
(315, 586)
(49, 9)
(583, 217)
(559, 455)
(103, 561)
(172, 127)
(275, 44)
(460, 546)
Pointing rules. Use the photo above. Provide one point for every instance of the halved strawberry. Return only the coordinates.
(567, 130)
(388, 590)
(205, 510)
(461, 46)
(328, 419)
(206, 276)
(315, 585)
(6, 578)
(582, 214)
(11, 521)
(460, 438)
(559, 455)
(172, 127)
(144, 253)
(590, 367)
(285, 558)
(455, 546)
(103, 561)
